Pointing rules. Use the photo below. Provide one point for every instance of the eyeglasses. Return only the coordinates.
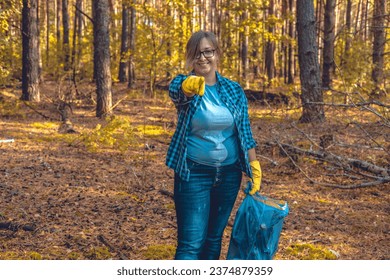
(206, 54)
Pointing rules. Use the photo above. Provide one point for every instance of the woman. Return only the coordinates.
(211, 147)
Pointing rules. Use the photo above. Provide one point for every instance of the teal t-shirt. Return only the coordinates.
(212, 139)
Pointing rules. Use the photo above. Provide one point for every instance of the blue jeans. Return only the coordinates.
(203, 206)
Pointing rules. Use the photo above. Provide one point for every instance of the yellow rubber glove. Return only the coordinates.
(256, 176)
(193, 85)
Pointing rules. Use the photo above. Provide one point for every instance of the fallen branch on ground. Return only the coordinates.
(39, 113)
(364, 165)
(102, 239)
(382, 174)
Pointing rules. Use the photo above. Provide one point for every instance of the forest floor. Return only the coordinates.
(105, 192)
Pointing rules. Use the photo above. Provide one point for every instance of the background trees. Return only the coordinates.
(258, 38)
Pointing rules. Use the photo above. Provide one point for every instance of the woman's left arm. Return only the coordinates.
(252, 154)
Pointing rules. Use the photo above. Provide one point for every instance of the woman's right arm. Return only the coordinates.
(176, 93)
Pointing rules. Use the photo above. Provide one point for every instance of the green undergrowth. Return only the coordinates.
(98, 253)
(45, 125)
(151, 131)
(310, 252)
(119, 133)
(159, 252)
(116, 132)
(11, 255)
(94, 253)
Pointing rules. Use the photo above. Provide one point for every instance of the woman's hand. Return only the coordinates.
(256, 176)
(193, 85)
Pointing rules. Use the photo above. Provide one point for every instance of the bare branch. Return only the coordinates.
(39, 113)
(364, 165)
(275, 163)
(369, 136)
(379, 181)
(102, 239)
(355, 186)
(353, 105)
(293, 162)
(80, 11)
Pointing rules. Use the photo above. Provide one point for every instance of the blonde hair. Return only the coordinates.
(192, 48)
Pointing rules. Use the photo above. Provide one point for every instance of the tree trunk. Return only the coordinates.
(356, 28)
(290, 68)
(102, 57)
(65, 40)
(47, 32)
(39, 43)
(114, 22)
(318, 17)
(76, 47)
(169, 50)
(254, 55)
(214, 18)
(58, 33)
(364, 20)
(124, 62)
(218, 14)
(329, 34)
(30, 55)
(80, 27)
(244, 47)
(348, 29)
(132, 45)
(270, 48)
(378, 30)
(308, 63)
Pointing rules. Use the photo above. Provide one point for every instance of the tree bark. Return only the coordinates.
(102, 58)
(132, 45)
(319, 25)
(76, 44)
(378, 30)
(30, 55)
(65, 34)
(124, 62)
(308, 63)
(290, 67)
(47, 32)
(329, 35)
(58, 32)
(347, 32)
(244, 47)
(363, 19)
(80, 27)
(270, 48)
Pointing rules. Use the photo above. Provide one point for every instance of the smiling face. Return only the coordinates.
(204, 64)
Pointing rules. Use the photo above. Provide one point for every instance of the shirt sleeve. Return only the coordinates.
(176, 93)
(247, 131)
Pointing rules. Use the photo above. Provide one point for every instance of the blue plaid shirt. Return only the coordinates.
(234, 98)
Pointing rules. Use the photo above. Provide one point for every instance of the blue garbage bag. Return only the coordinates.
(257, 228)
